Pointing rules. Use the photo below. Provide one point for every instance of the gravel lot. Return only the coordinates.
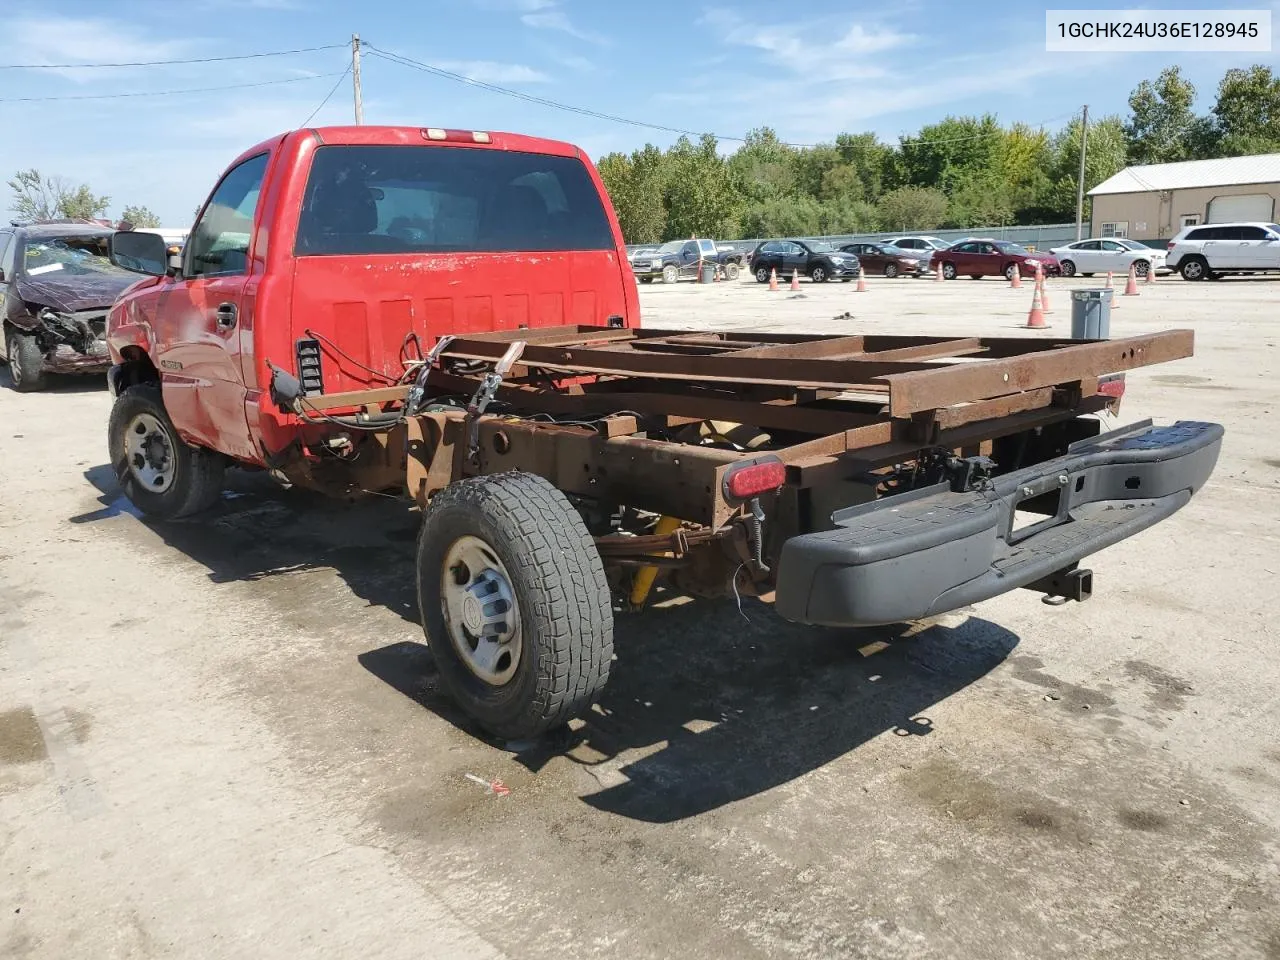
(224, 739)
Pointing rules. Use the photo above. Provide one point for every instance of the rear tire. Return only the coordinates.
(552, 653)
(1141, 268)
(1194, 269)
(26, 362)
(161, 475)
(731, 271)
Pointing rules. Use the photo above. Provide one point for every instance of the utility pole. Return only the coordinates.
(355, 77)
(1084, 140)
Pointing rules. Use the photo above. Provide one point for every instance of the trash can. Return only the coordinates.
(708, 274)
(1091, 314)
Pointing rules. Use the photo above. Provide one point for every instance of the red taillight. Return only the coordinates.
(1112, 387)
(1171, 243)
(753, 478)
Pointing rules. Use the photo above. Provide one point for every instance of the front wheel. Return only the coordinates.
(1068, 268)
(891, 270)
(26, 362)
(161, 475)
(514, 603)
(670, 274)
(949, 271)
(762, 274)
(646, 279)
(818, 274)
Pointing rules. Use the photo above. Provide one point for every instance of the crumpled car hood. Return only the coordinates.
(73, 292)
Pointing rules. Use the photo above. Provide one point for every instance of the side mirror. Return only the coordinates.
(145, 253)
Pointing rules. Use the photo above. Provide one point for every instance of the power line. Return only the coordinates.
(529, 98)
(166, 93)
(342, 76)
(586, 112)
(160, 63)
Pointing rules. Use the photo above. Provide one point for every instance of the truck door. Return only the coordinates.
(689, 259)
(205, 313)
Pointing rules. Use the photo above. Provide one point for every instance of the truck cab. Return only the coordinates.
(345, 252)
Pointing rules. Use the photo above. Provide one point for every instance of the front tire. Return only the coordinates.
(948, 271)
(670, 274)
(762, 274)
(646, 279)
(161, 475)
(514, 603)
(891, 271)
(26, 362)
(818, 274)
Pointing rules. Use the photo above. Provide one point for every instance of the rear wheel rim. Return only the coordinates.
(148, 450)
(1193, 269)
(480, 610)
(1142, 268)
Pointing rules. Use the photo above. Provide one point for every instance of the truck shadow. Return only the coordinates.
(707, 704)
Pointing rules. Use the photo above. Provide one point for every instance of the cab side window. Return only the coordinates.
(6, 265)
(219, 242)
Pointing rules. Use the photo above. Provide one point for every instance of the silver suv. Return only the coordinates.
(1208, 251)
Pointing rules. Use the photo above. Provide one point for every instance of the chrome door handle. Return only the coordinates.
(226, 314)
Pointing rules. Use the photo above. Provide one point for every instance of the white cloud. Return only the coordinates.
(54, 39)
(550, 18)
(489, 71)
(807, 51)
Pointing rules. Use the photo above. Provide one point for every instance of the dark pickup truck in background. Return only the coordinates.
(680, 260)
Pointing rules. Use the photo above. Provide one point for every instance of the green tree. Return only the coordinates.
(1247, 112)
(82, 204)
(1161, 118)
(1106, 155)
(636, 185)
(870, 159)
(702, 198)
(912, 208)
(979, 200)
(35, 196)
(763, 166)
(842, 183)
(947, 151)
(140, 217)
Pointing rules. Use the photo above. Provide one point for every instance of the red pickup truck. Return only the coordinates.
(450, 315)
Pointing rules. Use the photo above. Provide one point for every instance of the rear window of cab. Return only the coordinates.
(430, 199)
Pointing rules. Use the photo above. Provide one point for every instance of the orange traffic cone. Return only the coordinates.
(937, 276)
(1151, 273)
(1044, 297)
(1114, 302)
(795, 280)
(1131, 286)
(1015, 278)
(862, 283)
(1035, 319)
(773, 278)
(1039, 274)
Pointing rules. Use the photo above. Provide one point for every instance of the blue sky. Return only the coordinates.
(808, 70)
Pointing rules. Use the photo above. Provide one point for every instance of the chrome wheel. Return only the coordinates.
(1068, 268)
(949, 271)
(480, 610)
(148, 450)
(818, 275)
(1142, 268)
(762, 275)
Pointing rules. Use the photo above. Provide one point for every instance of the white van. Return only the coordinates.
(1207, 251)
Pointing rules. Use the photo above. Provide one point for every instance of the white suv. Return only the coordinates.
(1204, 252)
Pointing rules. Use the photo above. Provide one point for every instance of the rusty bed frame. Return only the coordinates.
(577, 404)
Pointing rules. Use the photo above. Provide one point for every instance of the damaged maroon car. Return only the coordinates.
(56, 287)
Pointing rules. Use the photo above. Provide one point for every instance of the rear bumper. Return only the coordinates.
(933, 550)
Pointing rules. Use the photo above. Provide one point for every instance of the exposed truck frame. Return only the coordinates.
(850, 479)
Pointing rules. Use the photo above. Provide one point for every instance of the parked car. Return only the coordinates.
(924, 244)
(991, 258)
(889, 260)
(1113, 254)
(819, 262)
(678, 260)
(1200, 253)
(56, 286)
